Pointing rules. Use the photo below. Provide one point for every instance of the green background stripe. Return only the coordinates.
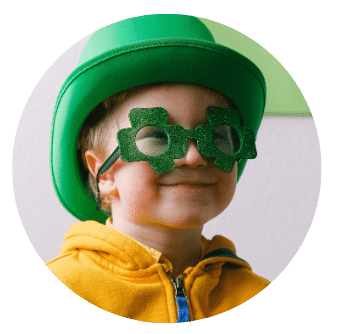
(283, 95)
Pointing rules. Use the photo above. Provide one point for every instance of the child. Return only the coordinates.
(154, 126)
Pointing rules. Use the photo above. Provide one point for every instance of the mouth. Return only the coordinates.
(194, 185)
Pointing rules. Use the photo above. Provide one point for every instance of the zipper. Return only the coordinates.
(180, 296)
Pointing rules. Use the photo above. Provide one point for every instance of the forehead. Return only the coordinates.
(186, 104)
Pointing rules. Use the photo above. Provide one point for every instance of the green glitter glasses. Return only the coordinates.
(151, 139)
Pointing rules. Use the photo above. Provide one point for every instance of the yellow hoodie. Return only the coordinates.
(122, 276)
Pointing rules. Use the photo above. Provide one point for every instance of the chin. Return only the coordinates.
(188, 220)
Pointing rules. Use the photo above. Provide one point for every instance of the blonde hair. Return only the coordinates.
(97, 130)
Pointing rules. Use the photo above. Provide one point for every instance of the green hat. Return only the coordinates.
(142, 50)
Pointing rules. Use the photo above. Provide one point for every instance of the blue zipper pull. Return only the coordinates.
(181, 300)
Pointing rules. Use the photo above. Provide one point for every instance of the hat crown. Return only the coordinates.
(144, 28)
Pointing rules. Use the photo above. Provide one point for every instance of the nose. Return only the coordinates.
(192, 158)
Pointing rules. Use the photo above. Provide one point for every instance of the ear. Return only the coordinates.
(106, 182)
(93, 162)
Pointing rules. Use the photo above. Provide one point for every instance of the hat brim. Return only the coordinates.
(163, 60)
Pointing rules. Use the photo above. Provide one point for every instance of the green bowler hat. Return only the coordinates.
(143, 50)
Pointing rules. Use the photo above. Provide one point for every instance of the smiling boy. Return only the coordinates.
(149, 261)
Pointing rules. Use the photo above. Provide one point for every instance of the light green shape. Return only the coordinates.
(283, 95)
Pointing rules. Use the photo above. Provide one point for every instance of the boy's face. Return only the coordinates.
(193, 192)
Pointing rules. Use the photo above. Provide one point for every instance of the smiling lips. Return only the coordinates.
(188, 180)
(189, 185)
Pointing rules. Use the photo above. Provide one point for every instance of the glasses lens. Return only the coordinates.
(152, 140)
(226, 139)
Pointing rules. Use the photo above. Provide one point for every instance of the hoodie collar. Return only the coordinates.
(128, 254)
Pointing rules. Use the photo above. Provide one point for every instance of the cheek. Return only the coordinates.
(136, 183)
(227, 187)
